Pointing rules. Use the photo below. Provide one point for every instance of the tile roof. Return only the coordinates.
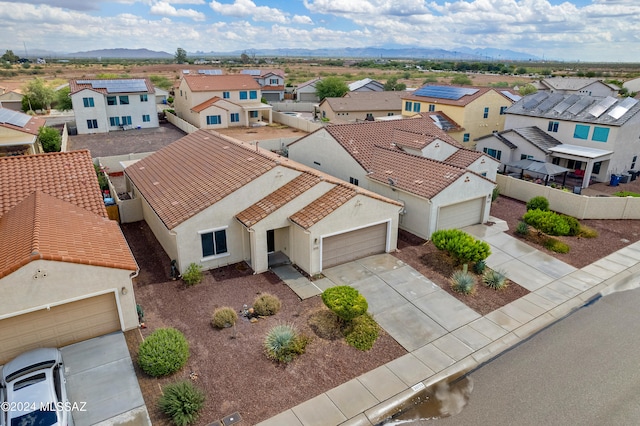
(367, 101)
(463, 101)
(464, 158)
(533, 134)
(415, 174)
(414, 140)
(216, 83)
(206, 104)
(32, 126)
(69, 176)
(356, 85)
(39, 227)
(75, 87)
(569, 83)
(272, 88)
(323, 206)
(281, 196)
(313, 81)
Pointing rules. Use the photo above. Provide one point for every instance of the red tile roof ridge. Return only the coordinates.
(321, 207)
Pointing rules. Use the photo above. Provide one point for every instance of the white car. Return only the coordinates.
(33, 392)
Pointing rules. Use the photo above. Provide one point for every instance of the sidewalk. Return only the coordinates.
(443, 336)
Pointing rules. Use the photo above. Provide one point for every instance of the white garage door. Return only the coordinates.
(462, 214)
(59, 326)
(354, 245)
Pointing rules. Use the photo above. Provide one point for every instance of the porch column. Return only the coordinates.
(246, 117)
(587, 173)
(270, 119)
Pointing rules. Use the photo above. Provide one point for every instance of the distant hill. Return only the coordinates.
(121, 54)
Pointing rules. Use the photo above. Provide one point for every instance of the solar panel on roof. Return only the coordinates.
(511, 96)
(562, 106)
(186, 71)
(13, 117)
(602, 106)
(579, 106)
(532, 101)
(548, 103)
(250, 72)
(445, 92)
(622, 108)
(117, 86)
(210, 72)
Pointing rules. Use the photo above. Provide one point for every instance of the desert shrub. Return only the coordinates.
(224, 317)
(193, 274)
(479, 266)
(463, 282)
(546, 221)
(556, 245)
(345, 301)
(462, 246)
(522, 228)
(539, 203)
(586, 232)
(182, 401)
(495, 193)
(325, 324)
(266, 304)
(574, 225)
(283, 343)
(164, 352)
(496, 280)
(362, 332)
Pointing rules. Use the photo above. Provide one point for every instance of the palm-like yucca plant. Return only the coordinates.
(463, 282)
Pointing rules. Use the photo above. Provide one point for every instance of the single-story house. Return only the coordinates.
(366, 85)
(577, 86)
(512, 145)
(214, 201)
(359, 106)
(19, 133)
(440, 184)
(65, 269)
(306, 92)
(11, 99)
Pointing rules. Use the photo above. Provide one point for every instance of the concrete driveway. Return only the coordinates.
(100, 374)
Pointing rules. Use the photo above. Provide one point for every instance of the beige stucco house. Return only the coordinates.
(360, 106)
(440, 184)
(65, 268)
(215, 201)
(577, 86)
(19, 133)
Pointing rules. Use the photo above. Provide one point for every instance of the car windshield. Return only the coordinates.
(36, 418)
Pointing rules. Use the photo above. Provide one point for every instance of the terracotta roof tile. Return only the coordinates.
(323, 206)
(206, 104)
(39, 228)
(69, 176)
(214, 83)
(367, 101)
(75, 87)
(404, 138)
(277, 199)
(464, 158)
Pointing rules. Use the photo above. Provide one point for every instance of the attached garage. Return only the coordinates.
(353, 245)
(461, 214)
(59, 325)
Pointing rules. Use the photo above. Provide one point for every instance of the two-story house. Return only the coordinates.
(219, 101)
(271, 82)
(102, 106)
(477, 111)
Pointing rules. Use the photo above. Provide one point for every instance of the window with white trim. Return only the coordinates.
(92, 124)
(112, 100)
(214, 119)
(235, 117)
(144, 98)
(124, 100)
(88, 102)
(146, 118)
(214, 242)
(114, 121)
(126, 120)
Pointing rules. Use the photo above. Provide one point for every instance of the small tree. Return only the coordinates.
(180, 56)
(345, 301)
(461, 79)
(462, 246)
(527, 89)
(50, 139)
(393, 85)
(38, 95)
(9, 56)
(63, 100)
(331, 87)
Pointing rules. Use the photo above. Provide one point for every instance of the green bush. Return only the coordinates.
(345, 301)
(362, 332)
(50, 139)
(556, 245)
(283, 343)
(548, 222)
(224, 317)
(181, 401)
(479, 266)
(496, 280)
(266, 304)
(462, 246)
(574, 225)
(463, 282)
(164, 352)
(539, 203)
(193, 275)
(522, 228)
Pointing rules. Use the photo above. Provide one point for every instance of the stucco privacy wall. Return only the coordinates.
(65, 282)
(578, 206)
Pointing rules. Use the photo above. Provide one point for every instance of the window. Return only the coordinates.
(369, 117)
(597, 165)
(253, 114)
(126, 120)
(581, 132)
(111, 100)
(243, 95)
(503, 110)
(525, 156)
(88, 102)
(144, 98)
(389, 114)
(353, 181)
(253, 94)
(92, 124)
(214, 243)
(633, 163)
(226, 95)
(180, 92)
(235, 117)
(553, 126)
(416, 107)
(124, 100)
(574, 164)
(432, 108)
(407, 105)
(600, 134)
(273, 81)
(146, 118)
(486, 112)
(495, 153)
(556, 161)
(214, 119)
(114, 121)
(465, 137)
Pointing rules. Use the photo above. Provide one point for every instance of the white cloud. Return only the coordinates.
(247, 8)
(163, 8)
(302, 19)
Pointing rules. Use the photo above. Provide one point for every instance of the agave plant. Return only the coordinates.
(496, 280)
(283, 343)
(463, 282)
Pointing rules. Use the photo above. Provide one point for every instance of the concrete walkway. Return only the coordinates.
(442, 335)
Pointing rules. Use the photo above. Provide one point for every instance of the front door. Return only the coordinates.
(271, 242)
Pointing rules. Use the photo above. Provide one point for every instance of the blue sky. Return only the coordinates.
(586, 30)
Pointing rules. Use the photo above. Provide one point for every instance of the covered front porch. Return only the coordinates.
(254, 112)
